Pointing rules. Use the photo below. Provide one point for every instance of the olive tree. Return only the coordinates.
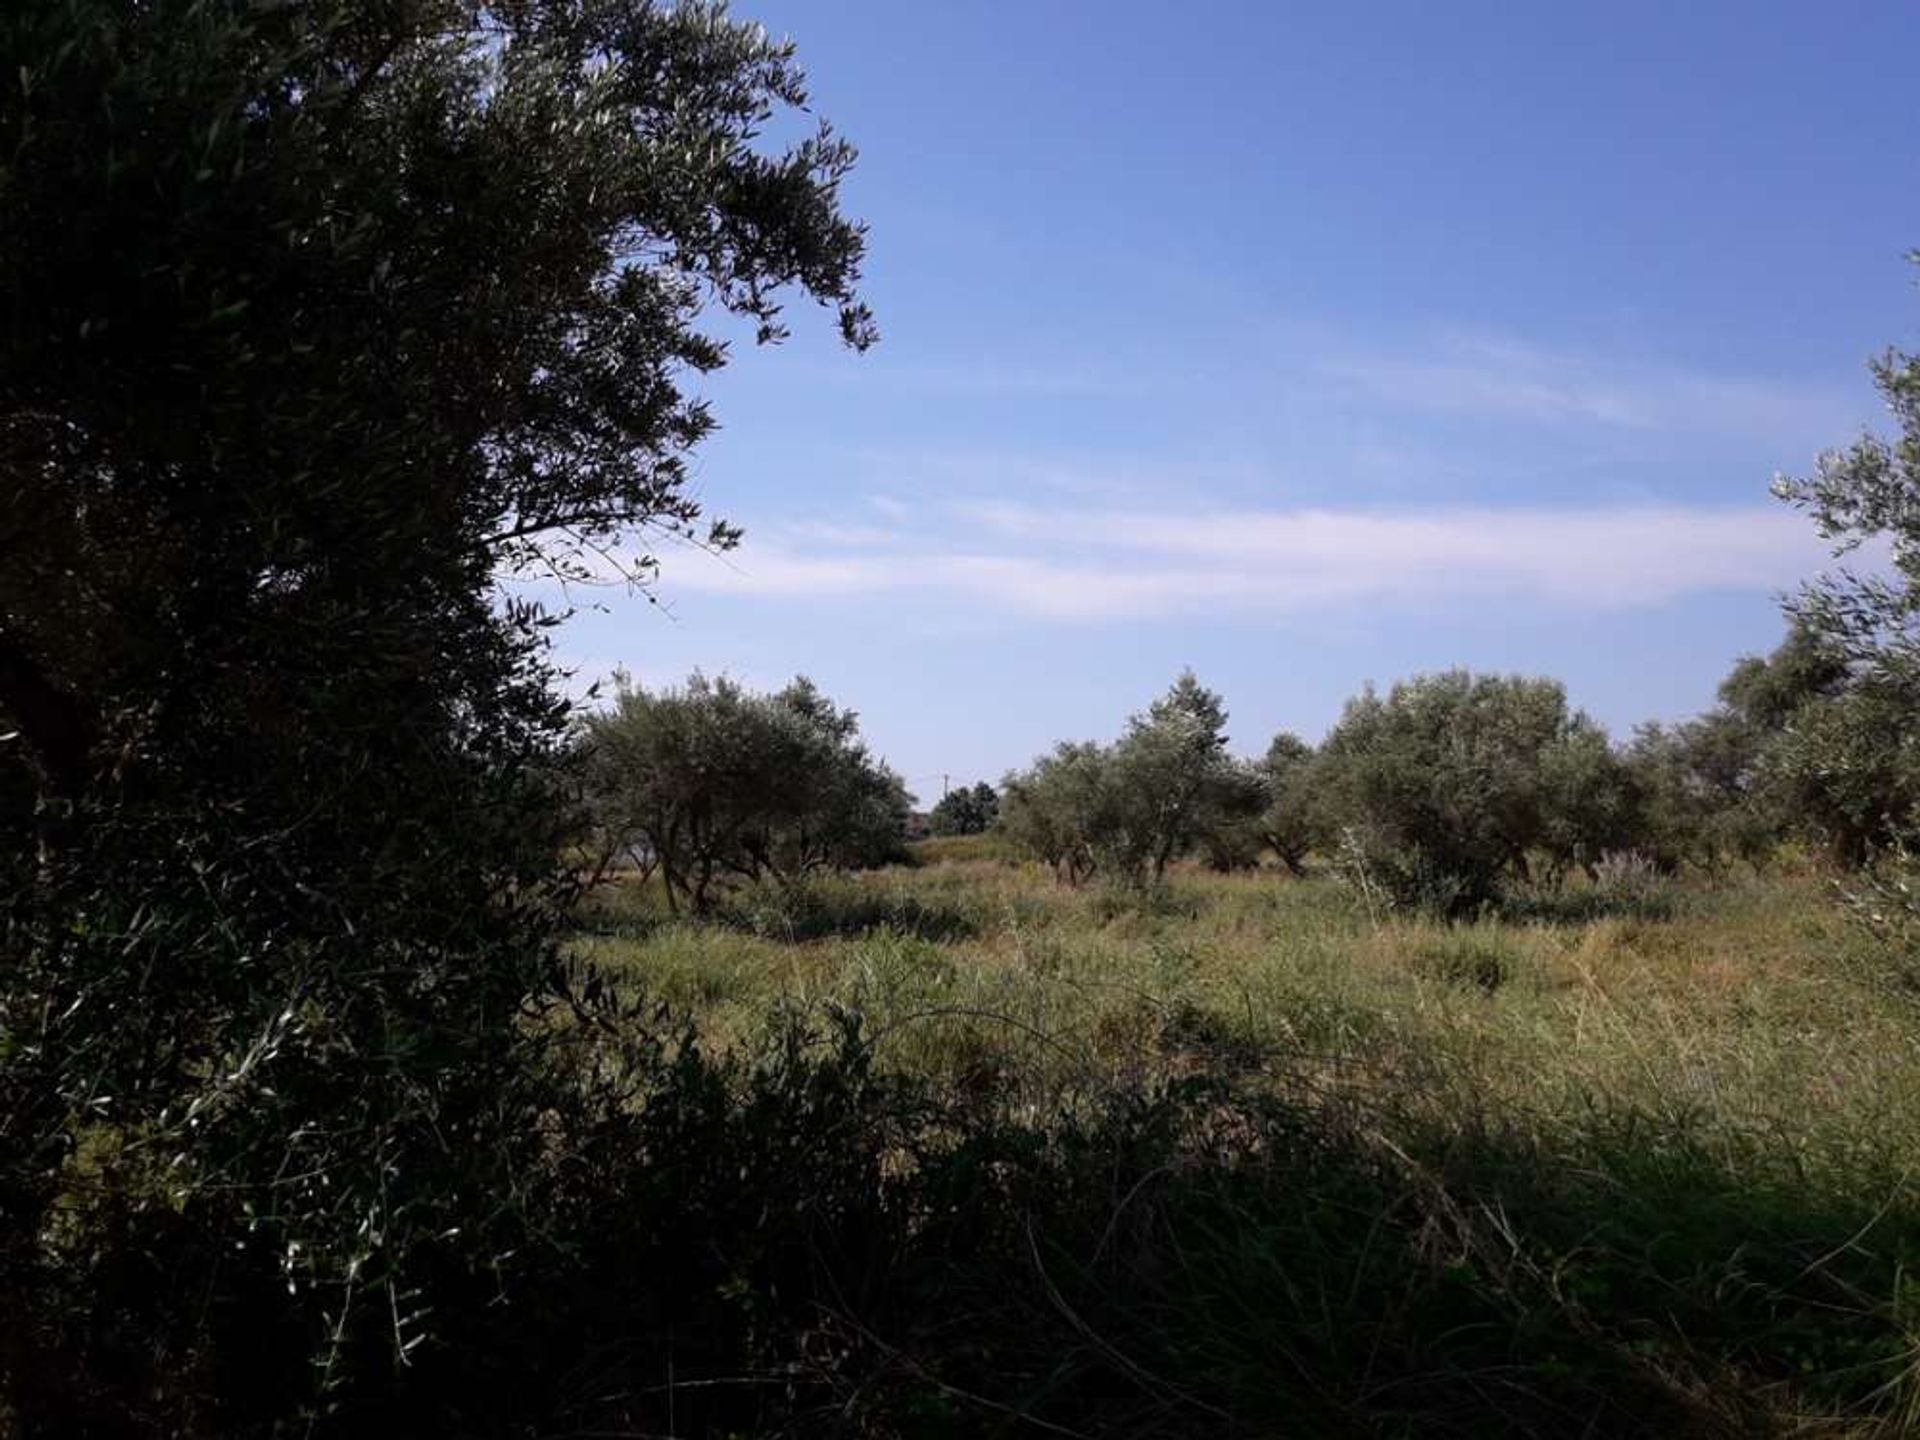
(1869, 492)
(1803, 742)
(1174, 782)
(1700, 794)
(1130, 809)
(1294, 820)
(1442, 786)
(1591, 801)
(968, 810)
(1854, 764)
(1056, 807)
(322, 319)
(711, 781)
(1236, 834)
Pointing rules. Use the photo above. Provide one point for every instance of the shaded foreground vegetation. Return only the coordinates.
(1233, 1159)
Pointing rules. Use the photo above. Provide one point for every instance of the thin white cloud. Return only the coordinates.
(988, 376)
(1502, 378)
(1092, 564)
(1077, 477)
(1450, 369)
(828, 532)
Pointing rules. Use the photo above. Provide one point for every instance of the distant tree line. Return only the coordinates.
(1443, 793)
(1452, 787)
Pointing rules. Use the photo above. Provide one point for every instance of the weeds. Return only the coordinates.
(1198, 1254)
(1234, 1160)
(1238, 1158)
(817, 907)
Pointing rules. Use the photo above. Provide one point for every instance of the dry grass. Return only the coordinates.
(1681, 1140)
(1755, 1005)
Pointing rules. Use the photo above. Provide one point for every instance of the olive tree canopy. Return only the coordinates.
(710, 781)
(320, 318)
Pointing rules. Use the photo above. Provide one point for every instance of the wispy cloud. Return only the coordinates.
(1503, 378)
(1094, 564)
(989, 375)
(830, 533)
(1252, 525)
(1322, 369)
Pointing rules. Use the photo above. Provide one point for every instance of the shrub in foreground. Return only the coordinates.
(797, 1240)
(792, 1239)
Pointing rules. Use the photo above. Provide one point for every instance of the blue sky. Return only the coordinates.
(1304, 345)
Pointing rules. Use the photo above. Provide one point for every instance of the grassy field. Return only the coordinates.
(1266, 1163)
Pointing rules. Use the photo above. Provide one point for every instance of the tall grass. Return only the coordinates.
(1240, 1158)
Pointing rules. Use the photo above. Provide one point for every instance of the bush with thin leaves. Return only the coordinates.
(325, 321)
